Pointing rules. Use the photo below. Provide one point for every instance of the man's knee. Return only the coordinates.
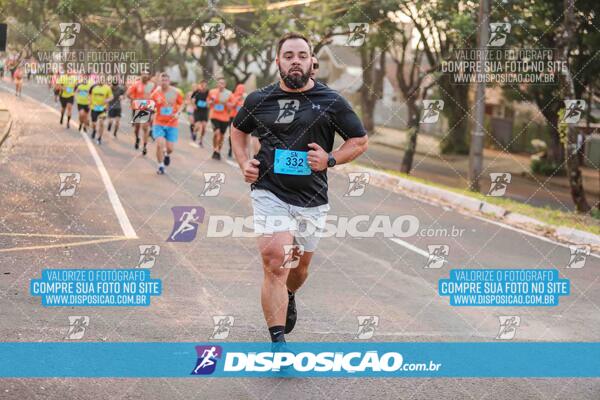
(273, 261)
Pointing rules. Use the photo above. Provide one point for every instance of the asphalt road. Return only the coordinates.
(222, 276)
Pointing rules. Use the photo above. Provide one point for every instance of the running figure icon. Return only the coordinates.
(185, 223)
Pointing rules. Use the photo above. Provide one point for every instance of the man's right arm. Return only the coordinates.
(239, 144)
(245, 122)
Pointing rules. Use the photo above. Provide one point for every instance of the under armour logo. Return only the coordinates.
(316, 106)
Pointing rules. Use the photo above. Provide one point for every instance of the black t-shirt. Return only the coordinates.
(287, 120)
(198, 95)
(117, 91)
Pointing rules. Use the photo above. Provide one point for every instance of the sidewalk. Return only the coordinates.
(5, 122)
(494, 161)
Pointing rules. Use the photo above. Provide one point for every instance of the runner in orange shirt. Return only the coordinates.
(18, 77)
(236, 100)
(168, 100)
(219, 115)
(141, 90)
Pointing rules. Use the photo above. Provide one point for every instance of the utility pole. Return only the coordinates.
(478, 134)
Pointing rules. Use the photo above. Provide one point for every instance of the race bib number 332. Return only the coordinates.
(291, 162)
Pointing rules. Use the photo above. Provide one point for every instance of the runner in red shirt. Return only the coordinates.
(236, 100)
(141, 90)
(168, 100)
(18, 77)
(219, 115)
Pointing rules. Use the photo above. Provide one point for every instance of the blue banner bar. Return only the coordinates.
(336, 359)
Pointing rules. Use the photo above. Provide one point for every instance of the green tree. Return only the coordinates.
(447, 25)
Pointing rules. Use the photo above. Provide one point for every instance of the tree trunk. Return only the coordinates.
(573, 171)
(372, 87)
(411, 136)
(206, 64)
(456, 106)
(556, 154)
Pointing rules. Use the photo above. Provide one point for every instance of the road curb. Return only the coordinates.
(400, 147)
(6, 131)
(386, 180)
(576, 236)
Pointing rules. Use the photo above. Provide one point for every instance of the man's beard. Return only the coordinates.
(294, 81)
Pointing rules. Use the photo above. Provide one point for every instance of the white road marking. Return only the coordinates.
(410, 247)
(126, 226)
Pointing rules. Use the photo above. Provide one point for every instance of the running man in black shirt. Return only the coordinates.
(295, 120)
(114, 107)
(198, 99)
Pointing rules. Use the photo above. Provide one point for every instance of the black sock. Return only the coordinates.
(62, 115)
(276, 333)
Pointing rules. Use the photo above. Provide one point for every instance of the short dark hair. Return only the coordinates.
(293, 35)
(164, 74)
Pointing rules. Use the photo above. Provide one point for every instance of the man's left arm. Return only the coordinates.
(349, 126)
(178, 102)
(352, 148)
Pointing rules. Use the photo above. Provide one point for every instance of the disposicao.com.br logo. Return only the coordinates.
(298, 359)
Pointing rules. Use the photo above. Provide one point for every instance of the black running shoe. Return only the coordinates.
(214, 156)
(282, 347)
(99, 141)
(137, 143)
(167, 160)
(193, 137)
(144, 151)
(93, 133)
(292, 315)
(218, 156)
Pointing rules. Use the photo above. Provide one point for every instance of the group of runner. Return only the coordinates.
(294, 121)
(220, 105)
(95, 100)
(156, 106)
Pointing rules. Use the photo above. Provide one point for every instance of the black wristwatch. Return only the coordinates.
(331, 161)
